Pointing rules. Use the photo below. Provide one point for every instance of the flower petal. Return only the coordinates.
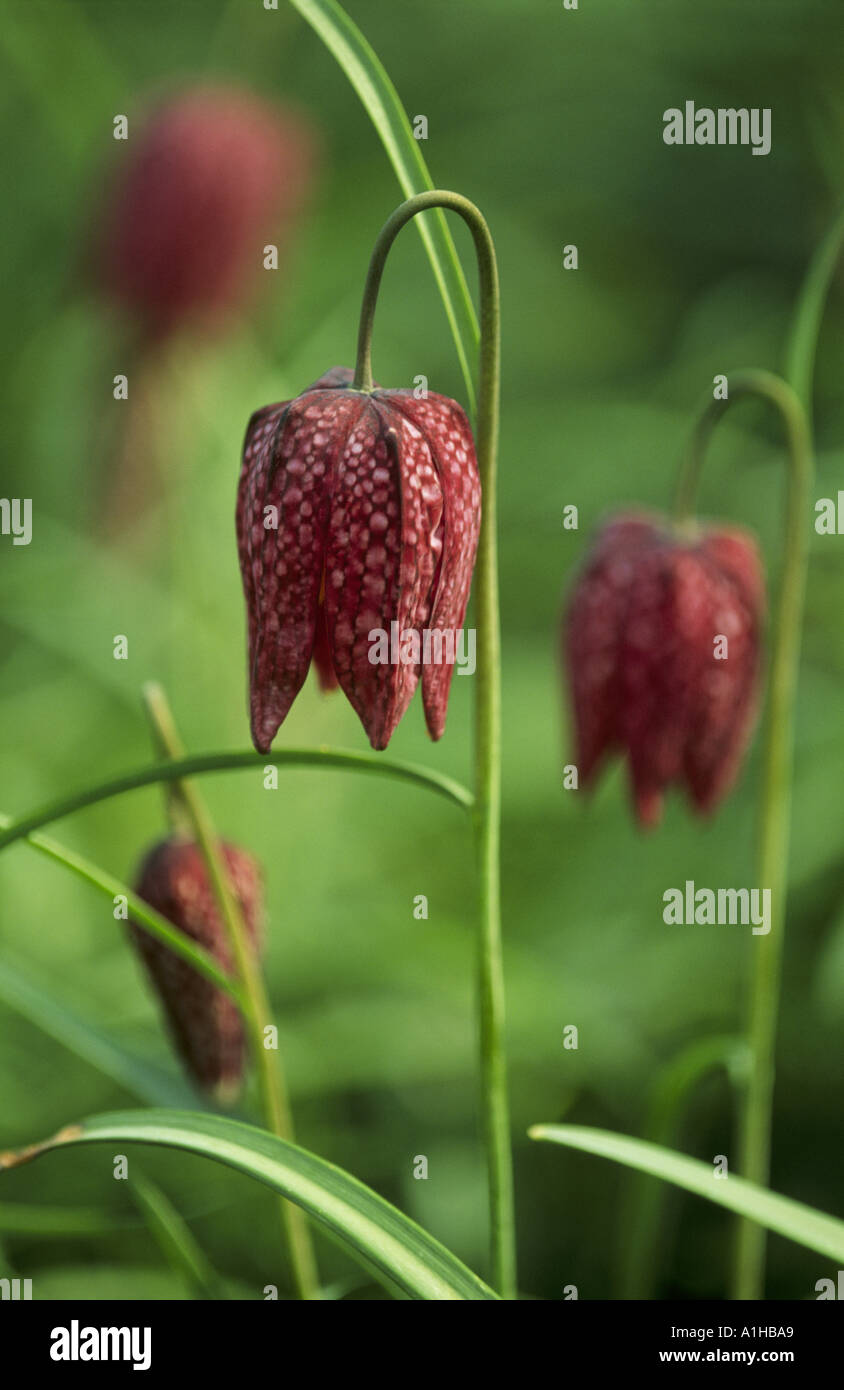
(595, 622)
(449, 438)
(380, 561)
(728, 687)
(289, 470)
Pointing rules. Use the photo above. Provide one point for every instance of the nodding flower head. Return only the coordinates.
(206, 180)
(356, 510)
(662, 642)
(205, 1024)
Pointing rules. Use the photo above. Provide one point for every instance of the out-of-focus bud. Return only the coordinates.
(210, 178)
(204, 1021)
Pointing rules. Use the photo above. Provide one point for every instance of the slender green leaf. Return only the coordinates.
(111, 1281)
(37, 1002)
(384, 107)
(175, 1239)
(817, 1231)
(30, 1219)
(139, 910)
(385, 1240)
(178, 768)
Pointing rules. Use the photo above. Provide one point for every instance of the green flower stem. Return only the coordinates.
(138, 910)
(775, 804)
(805, 330)
(487, 708)
(200, 763)
(255, 1006)
(165, 740)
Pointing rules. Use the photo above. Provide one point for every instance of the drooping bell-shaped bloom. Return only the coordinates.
(662, 642)
(203, 1020)
(358, 515)
(209, 178)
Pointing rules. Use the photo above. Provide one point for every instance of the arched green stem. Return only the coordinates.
(775, 801)
(200, 763)
(806, 326)
(486, 812)
(255, 1005)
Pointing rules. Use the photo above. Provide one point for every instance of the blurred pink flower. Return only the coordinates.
(208, 179)
(648, 677)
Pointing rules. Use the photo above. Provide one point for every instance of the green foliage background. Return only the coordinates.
(690, 260)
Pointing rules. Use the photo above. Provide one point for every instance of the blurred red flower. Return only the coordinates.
(650, 675)
(209, 178)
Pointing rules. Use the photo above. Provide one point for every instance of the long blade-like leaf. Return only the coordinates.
(369, 78)
(36, 1001)
(176, 1240)
(814, 1229)
(141, 912)
(385, 1240)
(29, 1219)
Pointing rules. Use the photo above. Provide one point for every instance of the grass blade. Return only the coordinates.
(404, 1256)
(794, 1220)
(175, 1239)
(383, 105)
(29, 1219)
(139, 911)
(35, 1002)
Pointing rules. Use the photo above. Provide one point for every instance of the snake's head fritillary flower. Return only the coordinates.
(204, 1022)
(662, 643)
(358, 514)
(209, 178)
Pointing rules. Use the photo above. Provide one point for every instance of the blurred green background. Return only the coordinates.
(690, 260)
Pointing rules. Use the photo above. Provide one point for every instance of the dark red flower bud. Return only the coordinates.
(211, 177)
(204, 1021)
(662, 645)
(356, 511)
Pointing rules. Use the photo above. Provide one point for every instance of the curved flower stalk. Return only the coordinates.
(329, 759)
(775, 795)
